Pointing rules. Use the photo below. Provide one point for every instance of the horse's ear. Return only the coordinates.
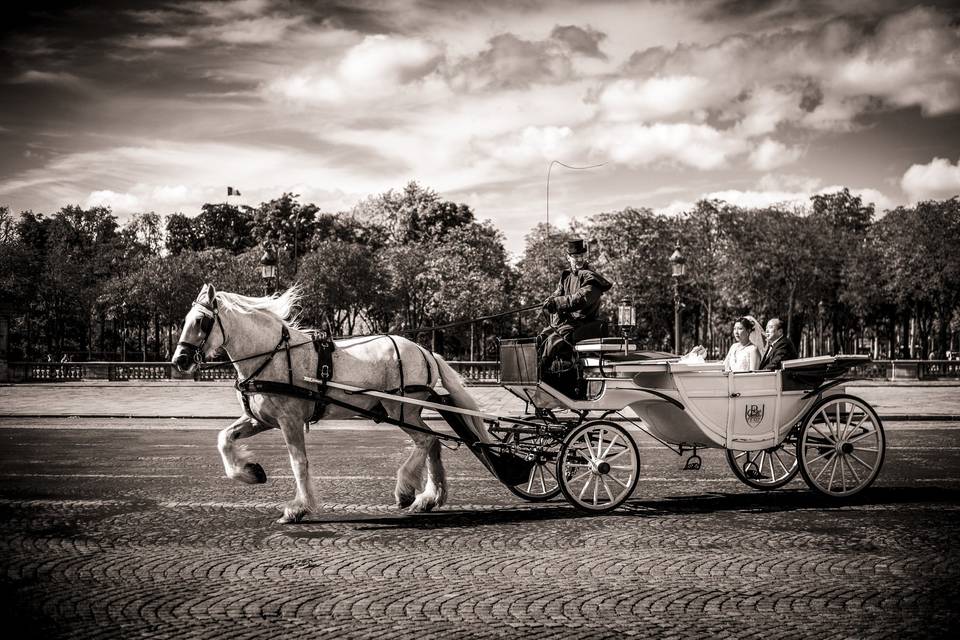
(211, 292)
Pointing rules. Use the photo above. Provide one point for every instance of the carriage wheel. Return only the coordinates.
(765, 469)
(598, 467)
(541, 484)
(841, 446)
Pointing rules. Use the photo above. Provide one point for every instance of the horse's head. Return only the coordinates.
(202, 331)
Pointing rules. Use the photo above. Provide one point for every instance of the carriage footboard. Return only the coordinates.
(509, 468)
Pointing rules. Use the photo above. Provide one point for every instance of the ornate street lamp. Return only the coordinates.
(679, 269)
(268, 269)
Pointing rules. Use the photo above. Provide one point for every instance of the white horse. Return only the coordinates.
(248, 330)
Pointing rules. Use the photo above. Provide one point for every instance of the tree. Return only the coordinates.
(181, 234)
(342, 281)
(413, 214)
(285, 224)
(224, 226)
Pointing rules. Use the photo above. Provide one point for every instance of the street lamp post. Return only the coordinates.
(678, 266)
(268, 269)
(626, 319)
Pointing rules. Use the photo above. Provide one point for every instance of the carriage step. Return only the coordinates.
(693, 463)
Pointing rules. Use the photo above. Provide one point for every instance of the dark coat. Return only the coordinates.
(578, 295)
(774, 356)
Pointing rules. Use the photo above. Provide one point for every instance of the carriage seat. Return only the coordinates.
(601, 345)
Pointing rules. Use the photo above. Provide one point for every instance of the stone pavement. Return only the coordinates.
(118, 533)
(219, 400)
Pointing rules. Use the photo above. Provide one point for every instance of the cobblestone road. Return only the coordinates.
(134, 532)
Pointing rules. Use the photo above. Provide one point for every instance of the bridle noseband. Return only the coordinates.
(206, 328)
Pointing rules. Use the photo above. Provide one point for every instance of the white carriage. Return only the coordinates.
(772, 424)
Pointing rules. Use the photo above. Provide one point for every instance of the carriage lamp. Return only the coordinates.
(626, 314)
(268, 265)
(678, 265)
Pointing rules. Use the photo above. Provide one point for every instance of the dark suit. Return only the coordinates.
(777, 352)
(577, 299)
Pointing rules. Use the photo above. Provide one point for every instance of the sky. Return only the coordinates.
(160, 105)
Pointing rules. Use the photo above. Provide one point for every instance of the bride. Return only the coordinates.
(744, 354)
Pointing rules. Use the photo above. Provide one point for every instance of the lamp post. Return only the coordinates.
(268, 269)
(626, 318)
(678, 266)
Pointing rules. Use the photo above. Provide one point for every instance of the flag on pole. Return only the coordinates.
(233, 192)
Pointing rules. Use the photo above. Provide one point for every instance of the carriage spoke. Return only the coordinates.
(837, 423)
(847, 424)
(867, 449)
(843, 473)
(773, 472)
(850, 467)
(737, 456)
(861, 436)
(606, 488)
(620, 466)
(826, 465)
(617, 480)
(857, 458)
(543, 484)
(533, 473)
(600, 443)
(586, 484)
(817, 429)
(856, 426)
(577, 478)
(617, 455)
(612, 442)
(586, 440)
(822, 455)
(826, 421)
(833, 472)
(780, 462)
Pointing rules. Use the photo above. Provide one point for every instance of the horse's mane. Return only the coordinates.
(282, 305)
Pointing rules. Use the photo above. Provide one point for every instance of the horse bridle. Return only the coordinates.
(210, 314)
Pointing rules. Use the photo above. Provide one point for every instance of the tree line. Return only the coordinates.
(843, 278)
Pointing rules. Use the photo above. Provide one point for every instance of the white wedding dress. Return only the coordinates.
(742, 358)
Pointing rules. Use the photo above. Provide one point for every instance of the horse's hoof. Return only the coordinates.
(404, 501)
(291, 518)
(422, 506)
(253, 473)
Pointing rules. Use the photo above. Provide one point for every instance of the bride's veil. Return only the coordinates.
(756, 335)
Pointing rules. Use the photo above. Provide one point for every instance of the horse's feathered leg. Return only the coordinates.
(236, 457)
(426, 455)
(304, 501)
(410, 477)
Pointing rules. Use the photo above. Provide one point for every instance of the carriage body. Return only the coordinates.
(686, 404)
(756, 416)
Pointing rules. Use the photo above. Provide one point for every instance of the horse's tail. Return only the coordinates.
(461, 398)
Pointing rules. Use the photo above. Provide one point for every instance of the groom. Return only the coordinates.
(779, 347)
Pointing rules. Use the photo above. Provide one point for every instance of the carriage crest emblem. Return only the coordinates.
(753, 414)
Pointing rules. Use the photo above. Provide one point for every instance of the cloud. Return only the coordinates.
(120, 203)
(583, 41)
(654, 98)
(939, 178)
(511, 62)
(823, 76)
(376, 67)
(261, 30)
(59, 78)
(771, 154)
(694, 145)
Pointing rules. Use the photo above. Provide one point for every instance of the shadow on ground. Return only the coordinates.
(707, 503)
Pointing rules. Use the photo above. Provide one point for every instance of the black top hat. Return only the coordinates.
(576, 247)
